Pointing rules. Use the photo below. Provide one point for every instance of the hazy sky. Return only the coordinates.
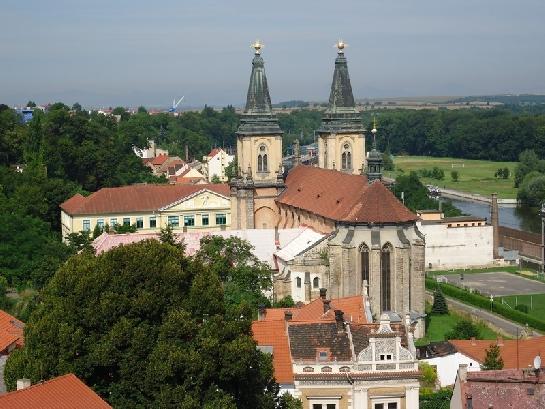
(133, 52)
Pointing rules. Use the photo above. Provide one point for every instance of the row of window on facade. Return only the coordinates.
(173, 221)
(383, 404)
(315, 282)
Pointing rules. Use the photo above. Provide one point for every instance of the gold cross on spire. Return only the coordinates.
(257, 45)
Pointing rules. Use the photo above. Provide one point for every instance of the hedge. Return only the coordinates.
(484, 303)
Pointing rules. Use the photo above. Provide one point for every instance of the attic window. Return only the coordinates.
(385, 357)
(322, 355)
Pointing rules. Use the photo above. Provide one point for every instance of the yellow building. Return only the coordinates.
(150, 208)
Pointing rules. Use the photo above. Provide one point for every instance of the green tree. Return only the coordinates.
(464, 329)
(429, 375)
(285, 302)
(145, 326)
(215, 179)
(454, 175)
(166, 235)
(31, 104)
(493, 359)
(439, 303)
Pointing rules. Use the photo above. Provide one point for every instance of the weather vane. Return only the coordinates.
(257, 45)
(341, 45)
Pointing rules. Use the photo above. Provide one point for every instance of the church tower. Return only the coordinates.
(259, 156)
(341, 142)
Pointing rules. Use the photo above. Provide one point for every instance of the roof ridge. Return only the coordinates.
(40, 383)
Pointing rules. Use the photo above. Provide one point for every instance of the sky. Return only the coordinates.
(133, 52)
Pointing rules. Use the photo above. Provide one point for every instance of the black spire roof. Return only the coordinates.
(258, 117)
(341, 115)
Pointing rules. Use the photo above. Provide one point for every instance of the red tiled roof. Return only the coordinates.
(527, 350)
(342, 197)
(64, 392)
(11, 331)
(136, 198)
(159, 160)
(214, 152)
(273, 333)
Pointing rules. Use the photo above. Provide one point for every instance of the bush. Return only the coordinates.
(454, 175)
(522, 308)
(465, 329)
(435, 400)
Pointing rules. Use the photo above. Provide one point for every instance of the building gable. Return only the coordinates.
(201, 200)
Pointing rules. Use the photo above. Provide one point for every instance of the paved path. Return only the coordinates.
(509, 328)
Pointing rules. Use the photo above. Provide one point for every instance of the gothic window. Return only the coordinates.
(385, 277)
(346, 157)
(316, 282)
(262, 159)
(364, 263)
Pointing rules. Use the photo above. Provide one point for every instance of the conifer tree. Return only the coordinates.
(493, 359)
(439, 303)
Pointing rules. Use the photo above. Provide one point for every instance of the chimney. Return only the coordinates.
(499, 342)
(186, 153)
(462, 372)
(288, 315)
(473, 341)
(494, 219)
(339, 319)
(469, 400)
(327, 305)
(323, 293)
(308, 289)
(261, 312)
(23, 383)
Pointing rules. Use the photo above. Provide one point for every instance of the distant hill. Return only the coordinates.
(520, 99)
(292, 104)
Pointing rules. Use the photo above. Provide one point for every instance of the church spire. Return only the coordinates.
(341, 114)
(341, 98)
(258, 117)
(258, 100)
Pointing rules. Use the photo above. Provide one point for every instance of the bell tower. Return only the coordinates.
(341, 142)
(259, 155)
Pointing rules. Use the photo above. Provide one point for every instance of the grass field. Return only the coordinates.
(535, 303)
(475, 176)
(440, 325)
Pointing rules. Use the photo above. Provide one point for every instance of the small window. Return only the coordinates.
(189, 220)
(86, 225)
(100, 223)
(113, 221)
(322, 356)
(126, 221)
(173, 221)
(316, 282)
(221, 218)
(298, 280)
(205, 220)
(152, 222)
(139, 222)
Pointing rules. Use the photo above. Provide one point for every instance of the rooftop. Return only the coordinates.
(342, 197)
(63, 392)
(11, 332)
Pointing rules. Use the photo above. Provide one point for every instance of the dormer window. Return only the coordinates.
(322, 355)
(385, 357)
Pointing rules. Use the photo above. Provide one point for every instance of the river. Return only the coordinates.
(522, 218)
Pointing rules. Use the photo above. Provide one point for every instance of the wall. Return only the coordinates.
(247, 152)
(447, 367)
(527, 244)
(448, 247)
(291, 217)
(330, 148)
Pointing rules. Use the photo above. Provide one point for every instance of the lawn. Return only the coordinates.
(475, 176)
(439, 325)
(535, 303)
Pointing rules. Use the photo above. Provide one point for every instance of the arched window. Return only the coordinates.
(262, 159)
(385, 277)
(298, 281)
(346, 157)
(364, 263)
(316, 282)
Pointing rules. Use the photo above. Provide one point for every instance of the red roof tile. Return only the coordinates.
(159, 160)
(342, 197)
(11, 332)
(273, 333)
(527, 350)
(214, 152)
(136, 198)
(64, 392)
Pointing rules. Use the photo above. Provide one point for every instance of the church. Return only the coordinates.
(371, 243)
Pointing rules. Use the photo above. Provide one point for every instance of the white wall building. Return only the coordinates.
(216, 162)
(455, 242)
(448, 365)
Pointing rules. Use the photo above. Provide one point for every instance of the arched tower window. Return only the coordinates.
(385, 277)
(316, 282)
(262, 159)
(346, 157)
(364, 250)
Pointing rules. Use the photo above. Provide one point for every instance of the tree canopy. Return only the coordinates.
(146, 326)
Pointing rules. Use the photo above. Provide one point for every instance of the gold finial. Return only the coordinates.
(341, 45)
(374, 130)
(258, 45)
